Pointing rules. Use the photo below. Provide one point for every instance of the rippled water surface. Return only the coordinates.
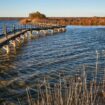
(64, 52)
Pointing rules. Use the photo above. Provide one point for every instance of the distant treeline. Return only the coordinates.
(79, 20)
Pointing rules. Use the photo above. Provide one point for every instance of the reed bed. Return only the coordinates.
(69, 91)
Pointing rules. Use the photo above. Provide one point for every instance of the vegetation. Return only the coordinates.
(85, 21)
(67, 20)
(37, 15)
(79, 20)
(68, 91)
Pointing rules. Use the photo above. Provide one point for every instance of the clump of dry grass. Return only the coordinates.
(69, 91)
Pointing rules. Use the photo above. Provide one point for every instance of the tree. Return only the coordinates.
(37, 15)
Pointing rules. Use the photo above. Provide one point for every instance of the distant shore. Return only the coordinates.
(88, 21)
(11, 18)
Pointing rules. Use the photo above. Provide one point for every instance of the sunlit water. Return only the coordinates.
(64, 52)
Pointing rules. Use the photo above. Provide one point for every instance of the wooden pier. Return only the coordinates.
(4, 40)
(18, 36)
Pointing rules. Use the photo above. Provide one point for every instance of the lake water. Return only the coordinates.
(64, 52)
(9, 25)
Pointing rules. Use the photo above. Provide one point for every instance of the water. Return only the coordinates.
(64, 52)
(9, 25)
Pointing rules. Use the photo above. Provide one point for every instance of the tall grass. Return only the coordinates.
(68, 91)
(71, 91)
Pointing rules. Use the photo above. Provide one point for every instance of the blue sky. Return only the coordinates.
(20, 8)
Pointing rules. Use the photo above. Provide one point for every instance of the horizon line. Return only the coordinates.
(51, 16)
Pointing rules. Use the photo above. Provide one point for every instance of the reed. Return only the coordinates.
(69, 91)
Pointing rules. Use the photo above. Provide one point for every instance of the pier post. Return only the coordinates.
(18, 40)
(13, 43)
(25, 37)
(13, 28)
(31, 34)
(5, 31)
(7, 49)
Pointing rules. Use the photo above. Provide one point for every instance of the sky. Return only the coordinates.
(52, 8)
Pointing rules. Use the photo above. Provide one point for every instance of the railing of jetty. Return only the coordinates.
(12, 29)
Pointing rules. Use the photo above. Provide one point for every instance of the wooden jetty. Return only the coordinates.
(17, 37)
(4, 40)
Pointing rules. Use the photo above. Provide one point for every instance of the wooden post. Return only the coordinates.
(13, 28)
(25, 26)
(31, 27)
(5, 30)
(7, 49)
(31, 34)
(16, 28)
(21, 28)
